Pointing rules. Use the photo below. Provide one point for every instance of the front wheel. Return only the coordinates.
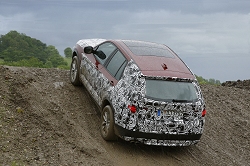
(107, 124)
(74, 72)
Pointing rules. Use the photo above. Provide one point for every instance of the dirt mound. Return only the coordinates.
(242, 84)
(44, 120)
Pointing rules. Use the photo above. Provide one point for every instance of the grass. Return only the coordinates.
(68, 60)
(15, 163)
(1, 61)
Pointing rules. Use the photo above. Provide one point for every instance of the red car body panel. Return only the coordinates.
(152, 66)
(102, 69)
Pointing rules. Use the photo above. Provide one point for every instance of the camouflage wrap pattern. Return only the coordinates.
(151, 116)
(99, 87)
(90, 42)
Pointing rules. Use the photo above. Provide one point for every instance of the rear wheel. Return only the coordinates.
(74, 72)
(107, 124)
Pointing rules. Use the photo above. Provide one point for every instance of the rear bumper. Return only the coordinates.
(157, 139)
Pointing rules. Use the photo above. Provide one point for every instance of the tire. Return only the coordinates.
(74, 72)
(107, 124)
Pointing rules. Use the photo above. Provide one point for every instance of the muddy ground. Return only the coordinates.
(44, 120)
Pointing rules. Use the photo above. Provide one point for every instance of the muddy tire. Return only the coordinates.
(107, 124)
(74, 72)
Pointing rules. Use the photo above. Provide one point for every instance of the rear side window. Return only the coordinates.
(171, 90)
(117, 65)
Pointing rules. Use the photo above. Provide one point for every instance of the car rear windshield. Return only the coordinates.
(171, 90)
(148, 49)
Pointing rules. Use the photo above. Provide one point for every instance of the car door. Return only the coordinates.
(114, 67)
(92, 66)
(110, 73)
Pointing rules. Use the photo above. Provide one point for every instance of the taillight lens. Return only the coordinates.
(203, 113)
(132, 108)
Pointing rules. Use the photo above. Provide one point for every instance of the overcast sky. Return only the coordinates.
(211, 36)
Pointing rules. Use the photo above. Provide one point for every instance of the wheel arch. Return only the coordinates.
(76, 82)
(105, 103)
(78, 50)
(74, 54)
(108, 102)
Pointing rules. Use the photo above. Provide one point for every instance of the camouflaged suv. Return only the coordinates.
(145, 92)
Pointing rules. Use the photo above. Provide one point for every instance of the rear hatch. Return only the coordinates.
(174, 106)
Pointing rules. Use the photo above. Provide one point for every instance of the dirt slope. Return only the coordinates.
(44, 120)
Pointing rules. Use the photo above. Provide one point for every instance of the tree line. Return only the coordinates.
(211, 81)
(17, 49)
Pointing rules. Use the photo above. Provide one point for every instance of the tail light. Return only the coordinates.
(132, 108)
(203, 113)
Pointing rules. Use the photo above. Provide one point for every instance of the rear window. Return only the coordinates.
(148, 49)
(171, 90)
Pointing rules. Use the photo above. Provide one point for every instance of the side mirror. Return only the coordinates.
(88, 50)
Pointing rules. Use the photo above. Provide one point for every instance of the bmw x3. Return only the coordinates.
(145, 92)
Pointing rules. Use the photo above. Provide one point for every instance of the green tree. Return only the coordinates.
(200, 80)
(32, 62)
(20, 50)
(16, 46)
(54, 57)
(217, 82)
(68, 52)
(211, 81)
(12, 54)
(48, 64)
